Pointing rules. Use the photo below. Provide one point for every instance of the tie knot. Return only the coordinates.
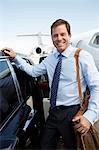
(59, 55)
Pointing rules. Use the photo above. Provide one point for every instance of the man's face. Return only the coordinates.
(60, 37)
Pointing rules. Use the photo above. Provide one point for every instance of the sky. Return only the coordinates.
(33, 16)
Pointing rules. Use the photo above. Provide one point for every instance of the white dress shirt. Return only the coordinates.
(68, 87)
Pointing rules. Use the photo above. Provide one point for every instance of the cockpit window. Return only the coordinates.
(96, 40)
(8, 94)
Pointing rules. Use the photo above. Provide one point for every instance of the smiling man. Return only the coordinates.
(64, 97)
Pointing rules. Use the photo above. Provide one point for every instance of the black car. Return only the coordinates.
(21, 125)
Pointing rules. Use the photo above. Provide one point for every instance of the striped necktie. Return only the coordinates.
(55, 82)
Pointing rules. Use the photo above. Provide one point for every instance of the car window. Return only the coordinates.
(8, 95)
(25, 81)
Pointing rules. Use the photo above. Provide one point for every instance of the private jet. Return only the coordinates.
(88, 41)
(42, 47)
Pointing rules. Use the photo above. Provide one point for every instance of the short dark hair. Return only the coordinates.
(60, 22)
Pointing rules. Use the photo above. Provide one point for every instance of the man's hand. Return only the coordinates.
(81, 124)
(9, 52)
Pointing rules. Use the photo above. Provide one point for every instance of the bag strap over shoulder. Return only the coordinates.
(78, 74)
(84, 103)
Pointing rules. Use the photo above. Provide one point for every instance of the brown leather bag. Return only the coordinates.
(90, 141)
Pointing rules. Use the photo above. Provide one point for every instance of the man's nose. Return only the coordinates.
(59, 37)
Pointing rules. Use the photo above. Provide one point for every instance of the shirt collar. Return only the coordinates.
(65, 53)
